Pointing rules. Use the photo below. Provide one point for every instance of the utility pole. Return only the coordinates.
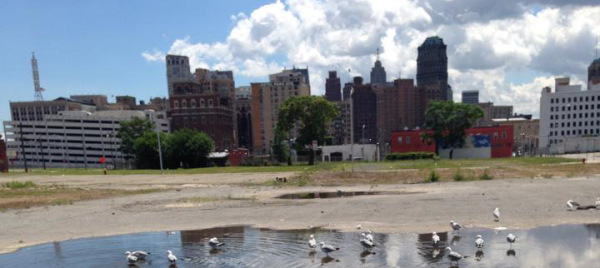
(42, 149)
(23, 146)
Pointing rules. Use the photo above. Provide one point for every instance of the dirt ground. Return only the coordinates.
(211, 200)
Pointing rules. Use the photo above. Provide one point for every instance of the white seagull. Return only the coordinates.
(497, 214)
(215, 243)
(369, 235)
(511, 238)
(327, 248)
(572, 205)
(171, 257)
(455, 226)
(358, 227)
(131, 258)
(435, 238)
(365, 242)
(598, 203)
(312, 243)
(454, 256)
(138, 254)
(479, 243)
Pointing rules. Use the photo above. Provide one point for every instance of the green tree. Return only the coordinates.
(131, 130)
(280, 149)
(189, 148)
(311, 114)
(146, 149)
(448, 121)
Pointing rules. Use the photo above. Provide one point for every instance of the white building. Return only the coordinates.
(73, 139)
(569, 118)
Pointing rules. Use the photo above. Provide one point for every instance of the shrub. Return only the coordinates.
(458, 176)
(433, 176)
(409, 156)
(18, 185)
(486, 176)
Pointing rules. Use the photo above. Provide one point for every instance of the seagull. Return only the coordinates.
(497, 214)
(435, 238)
(171, 257)
(138, 254)
(479, 241)
(511, 238)
(454, 256)
(455, 226)
(365, 242)
(327, 248)
(215, 243)
(131, 258)
(358, 227)
(598, 203)
(369, 235)
(312, 243)
(572, 205)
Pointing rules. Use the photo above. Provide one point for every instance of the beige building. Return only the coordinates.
(36, 110)
(266, 98)
(341, 127)
(526, 133)
(491, 111)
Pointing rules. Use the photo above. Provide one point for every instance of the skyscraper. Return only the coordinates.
(594, 73)
(333, 87)
(378, 75)
(470, 96)
(364, 113)
(432, 66)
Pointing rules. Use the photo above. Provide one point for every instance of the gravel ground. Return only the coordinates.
(211, 200)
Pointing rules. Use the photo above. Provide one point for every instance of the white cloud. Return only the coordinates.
(485, 42)
(155, 55)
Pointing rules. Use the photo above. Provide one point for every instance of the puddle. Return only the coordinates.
(314, 195)
(559, 246)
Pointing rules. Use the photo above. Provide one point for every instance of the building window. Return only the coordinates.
(176, 104)
(201, 103)
(210, 103)
(193, 103)
(203, 120)
(495, 135)
(407, 140)
(184, 104)
(400, 140)
(504, 135)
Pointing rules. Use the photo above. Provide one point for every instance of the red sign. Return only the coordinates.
(102, 160)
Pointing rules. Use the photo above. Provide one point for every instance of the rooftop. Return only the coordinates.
(433, 41)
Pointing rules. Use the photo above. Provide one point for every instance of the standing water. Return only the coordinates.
(560, 246)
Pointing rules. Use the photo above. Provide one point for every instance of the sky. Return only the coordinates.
(509, 50)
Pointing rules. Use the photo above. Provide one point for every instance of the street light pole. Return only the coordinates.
(363, 135)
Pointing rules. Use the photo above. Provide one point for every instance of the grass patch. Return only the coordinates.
(56, 195)
(433, 176)
(486, 176)
(458, 176)
(18, 185)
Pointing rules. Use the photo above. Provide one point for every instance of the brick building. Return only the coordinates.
(364, 112)
(3, 157)
(333, 87)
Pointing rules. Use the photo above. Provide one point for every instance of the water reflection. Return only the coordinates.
(560, 246)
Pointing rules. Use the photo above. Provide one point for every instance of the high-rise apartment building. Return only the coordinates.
(470, 96)
(569, 117)
(333, 87)
(432, 66)
(242, 107)
(178, 70)
(389, 111)
(364, 113)
(266, 99)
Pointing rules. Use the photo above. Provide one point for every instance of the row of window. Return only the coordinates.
(574, 99)
(568, 107)
(574, 116)
(575, 124)
(203, 120)
(184, 104)
(574, 132)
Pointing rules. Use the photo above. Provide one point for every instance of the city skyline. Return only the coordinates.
(508, 54)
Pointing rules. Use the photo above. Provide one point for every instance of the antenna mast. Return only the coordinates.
(36, 79)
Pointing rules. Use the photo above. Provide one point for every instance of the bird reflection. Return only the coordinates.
(455, 239)
(435, 253)
(214, 251)
(173, 266)
(511, 253)
(365, 254)
(328, 259)
(479, 255)
(312, 254)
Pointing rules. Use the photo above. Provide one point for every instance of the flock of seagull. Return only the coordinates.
(133, 257)
(366, 239)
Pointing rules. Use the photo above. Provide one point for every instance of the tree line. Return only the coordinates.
(184, 148)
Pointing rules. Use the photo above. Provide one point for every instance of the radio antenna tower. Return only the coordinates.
(36, 79)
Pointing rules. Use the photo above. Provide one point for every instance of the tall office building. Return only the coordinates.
(347, 91)
(242, 107)
(178, 70)
(470, 96)
(266, 98)
(378, 75)
(333, 87)
(364, 113)
(432, 66)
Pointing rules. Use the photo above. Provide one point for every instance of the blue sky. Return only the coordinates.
(94, 47)
(509, 50)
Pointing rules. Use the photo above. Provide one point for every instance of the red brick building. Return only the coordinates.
(195, 107)
(501, 140)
